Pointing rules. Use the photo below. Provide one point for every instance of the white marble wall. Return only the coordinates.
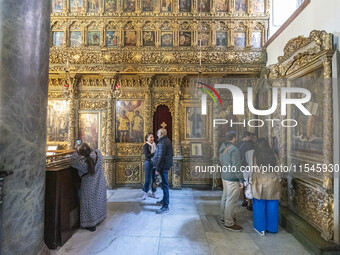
(24, 48)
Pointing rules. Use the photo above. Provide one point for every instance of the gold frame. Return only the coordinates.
(303, 55)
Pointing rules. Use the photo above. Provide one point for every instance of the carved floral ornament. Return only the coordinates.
(318, 42)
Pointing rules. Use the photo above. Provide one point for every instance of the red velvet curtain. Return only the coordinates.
(162, 117)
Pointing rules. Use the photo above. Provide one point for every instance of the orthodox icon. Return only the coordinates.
(203, 6)
(93, 38)
(222, 5)
(89, 129)
(57, 121)
(129, 122)
(110, 5)
(147, 5)
(184, 38)
(58, 39)
(257, 6)
(130, 38)
(166, 5)
(148, 38)
(75, 5)
(129, 5)
(57, 5)
(256, 39)
(93, 5)
(195, 123)
(166, 39)
(221, 39)
(111, 38)
(196, 149)
(184, 5)
(239, 39)
(203, 39)
(75, 38)
(308, 135)
(240, 5)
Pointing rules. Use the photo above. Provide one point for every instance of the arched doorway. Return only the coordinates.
(162, 119)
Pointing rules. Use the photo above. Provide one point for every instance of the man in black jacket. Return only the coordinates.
(162, 161)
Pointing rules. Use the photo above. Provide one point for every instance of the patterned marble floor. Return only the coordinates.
(191, 227)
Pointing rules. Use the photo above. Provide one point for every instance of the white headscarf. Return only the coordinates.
(153, 146)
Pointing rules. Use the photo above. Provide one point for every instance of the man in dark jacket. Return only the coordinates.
(162, 161)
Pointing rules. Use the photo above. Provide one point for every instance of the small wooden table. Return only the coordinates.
(61, 200)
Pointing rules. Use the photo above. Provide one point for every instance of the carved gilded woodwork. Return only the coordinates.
(108, 170)
(176, 174)
(92, 95)
(328, 118)
(309, 194)
(93, 105)
(128, 173)
(129, 149)
(191, 176)
(104, 132)
(318, 209)
(56, 95)
(148, 71)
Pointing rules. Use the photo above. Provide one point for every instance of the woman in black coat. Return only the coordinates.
(148, 150)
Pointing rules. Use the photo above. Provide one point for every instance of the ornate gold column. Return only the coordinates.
(71, 80)
(176, 174)
(216, 176)
(177, 94)
(327, 123)
(111, 82)
(327, 225)
(148, 118)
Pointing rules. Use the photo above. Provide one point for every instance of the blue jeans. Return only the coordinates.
(149, 176)
(266, 215)
(165, 187)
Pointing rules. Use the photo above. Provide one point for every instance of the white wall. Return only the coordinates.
(318, 15)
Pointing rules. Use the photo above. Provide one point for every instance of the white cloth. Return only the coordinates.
(153, 146)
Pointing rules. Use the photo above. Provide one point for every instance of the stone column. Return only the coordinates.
(24, 58)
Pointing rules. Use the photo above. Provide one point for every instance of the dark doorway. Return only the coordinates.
(162, 119)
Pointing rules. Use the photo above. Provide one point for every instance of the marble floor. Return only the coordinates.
(191, 227)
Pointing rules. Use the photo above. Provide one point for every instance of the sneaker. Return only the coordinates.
(162, 210)
(160, 202)
(234, 227)
(244, 204)
(262, 233)
(222, 221)
(153, 195)
(145, 196)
